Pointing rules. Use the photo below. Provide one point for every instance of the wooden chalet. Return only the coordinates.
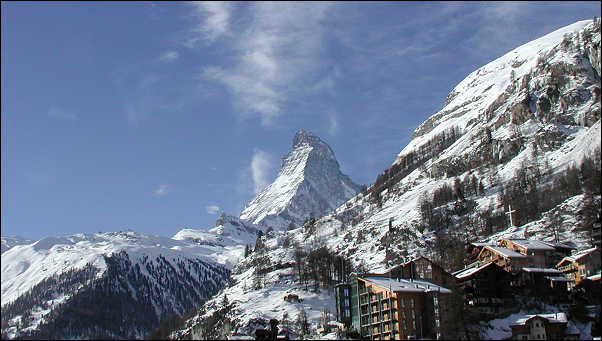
(580, 265)
(486, 287)
(552, 326)
(509, 260)
(425, 269)
(539, 254)
(543, 282)
(473, 249)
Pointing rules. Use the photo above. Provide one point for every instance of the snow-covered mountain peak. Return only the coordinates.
(9, 242)
(309, 184)
(536, 82)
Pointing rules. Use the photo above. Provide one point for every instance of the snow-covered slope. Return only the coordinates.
(309, 184)
(535, 108)
(538, 105)
(227, 239)
(9, 242)
(153, 272)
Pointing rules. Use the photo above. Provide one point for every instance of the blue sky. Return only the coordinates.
(158, 116)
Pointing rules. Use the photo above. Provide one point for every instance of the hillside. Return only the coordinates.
(115, 284)
(522, 131)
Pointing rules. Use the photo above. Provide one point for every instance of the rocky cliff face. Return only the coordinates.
(309, 184)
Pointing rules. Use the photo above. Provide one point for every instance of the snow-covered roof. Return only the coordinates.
(578, 255)
(470, 271)
(532, 244)
(403, 285)
(240, 337)
(552, 318)
(479, 244)
(505, 252)
(544, 270)
(564, 245)
(595, 277)
(558, 279)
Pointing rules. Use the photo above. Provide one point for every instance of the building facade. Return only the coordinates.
(542, 327)
(384, 308)
(580, 265)
(486, 288)
(509, 260)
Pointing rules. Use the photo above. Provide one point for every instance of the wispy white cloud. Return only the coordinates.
(215, 19)
(169, 56)
(275, 54)
(161, 191)
(212, 209)
(62, 114)
(333, 122)
(261, 166)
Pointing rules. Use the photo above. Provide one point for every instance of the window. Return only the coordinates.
(412, 302)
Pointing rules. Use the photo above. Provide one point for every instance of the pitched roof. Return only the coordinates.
(544, 270)
(578, 255)
(403, 285)
(470, 271)
(479, 244)
(563, 245)
(504, 251)
(559, 279)
(552, 318)
(532, 244)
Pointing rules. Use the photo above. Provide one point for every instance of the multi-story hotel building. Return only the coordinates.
(382, 308)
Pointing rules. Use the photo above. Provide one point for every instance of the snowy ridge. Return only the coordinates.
(227, 240)
(478, 90)
(45, 283)
(24, 266)
(539, 104)
(9, 242)
(309, 184)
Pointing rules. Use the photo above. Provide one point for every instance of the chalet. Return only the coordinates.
(589, 290)
(581, 264)
(539, 253)
(486, 288)
(394, 308)
(425, 269)
(473, 249)
(509, 260)
(552, 326)
(543, 282)
(562, 250)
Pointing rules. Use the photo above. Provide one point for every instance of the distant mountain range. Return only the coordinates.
(522, 131)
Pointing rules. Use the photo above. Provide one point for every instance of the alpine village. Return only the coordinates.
(485, 226)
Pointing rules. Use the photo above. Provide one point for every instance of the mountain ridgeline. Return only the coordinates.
(522, 131)
(309, 185)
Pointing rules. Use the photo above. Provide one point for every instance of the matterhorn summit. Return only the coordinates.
(309, 184)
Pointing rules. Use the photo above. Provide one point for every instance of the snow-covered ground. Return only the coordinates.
(24, 266)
